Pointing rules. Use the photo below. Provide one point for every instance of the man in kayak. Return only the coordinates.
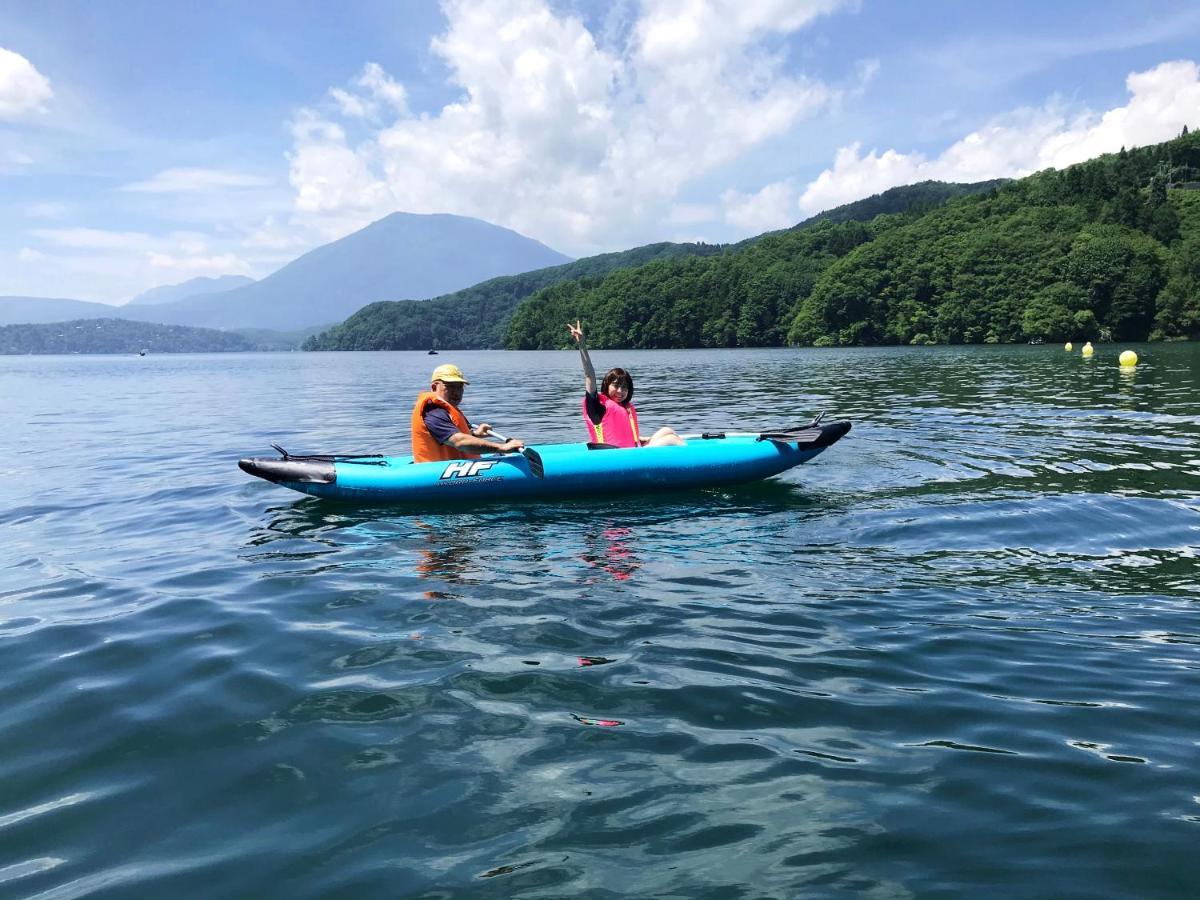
(609, 412)
(439, 429)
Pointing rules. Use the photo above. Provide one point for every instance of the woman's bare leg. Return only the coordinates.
(665, 437)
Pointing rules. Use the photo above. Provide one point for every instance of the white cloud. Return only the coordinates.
(94, 238)
(1162, 100)
(192, 181)
(351, 105)
(270, 235)
(23, 89)
(582, 145)
(330, 177)
(865, 71)
(14, 158)
(48, 209)
(377, 91)
(691, 32)
(191, 266)
(691, 214)
(110, 266)
(770, 208)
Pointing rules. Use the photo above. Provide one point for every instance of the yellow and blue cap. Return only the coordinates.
(448, 373)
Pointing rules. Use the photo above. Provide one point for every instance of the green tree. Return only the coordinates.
(1121, 272)
(1178, 312)
(1059, 312)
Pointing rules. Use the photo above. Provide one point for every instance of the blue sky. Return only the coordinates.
(144, 143)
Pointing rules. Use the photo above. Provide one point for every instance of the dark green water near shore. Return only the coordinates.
(958, 653)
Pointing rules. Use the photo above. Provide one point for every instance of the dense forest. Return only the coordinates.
(911, 198)
(1107, 249)
(737, 299)
(116, 336)
(475, 317)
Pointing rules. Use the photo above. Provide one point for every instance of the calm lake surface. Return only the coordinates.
(957, 654)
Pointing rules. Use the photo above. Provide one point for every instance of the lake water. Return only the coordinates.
(957, 654)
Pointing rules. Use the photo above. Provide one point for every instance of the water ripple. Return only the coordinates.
(974, 616)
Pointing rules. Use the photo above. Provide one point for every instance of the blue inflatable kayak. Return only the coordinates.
(549, 470)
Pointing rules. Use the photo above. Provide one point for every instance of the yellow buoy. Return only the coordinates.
(1128, 358)
(1087, 349)
(1068, 346)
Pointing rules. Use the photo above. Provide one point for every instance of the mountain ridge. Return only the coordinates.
(21, 310)
(116, 336)
(193, 287)
(403, 255)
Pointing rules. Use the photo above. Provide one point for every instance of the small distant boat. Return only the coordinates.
(1037, 341)
(141, 353)
(432, 352)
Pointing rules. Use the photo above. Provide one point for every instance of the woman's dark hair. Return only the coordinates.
(620, 378)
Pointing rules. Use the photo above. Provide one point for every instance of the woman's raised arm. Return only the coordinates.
(589, 374)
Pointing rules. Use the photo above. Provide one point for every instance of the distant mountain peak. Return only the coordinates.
(202, 284)
(403, 256)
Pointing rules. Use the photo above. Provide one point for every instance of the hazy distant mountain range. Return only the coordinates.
(24, 310)
(402, 256)
(117, 336)
(169, 293)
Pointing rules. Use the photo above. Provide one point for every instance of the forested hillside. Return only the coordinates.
(910, 198)
(116, 336)
(475, 317)
(1104, 249)
(737, 299)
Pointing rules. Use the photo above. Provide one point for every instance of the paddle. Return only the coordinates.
(535, 459)
(783, 434)
(366, 459)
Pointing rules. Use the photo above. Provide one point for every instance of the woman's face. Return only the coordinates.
(616, 391)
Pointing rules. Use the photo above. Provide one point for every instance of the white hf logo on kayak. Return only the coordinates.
(466, 469)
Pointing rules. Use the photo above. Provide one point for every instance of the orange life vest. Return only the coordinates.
(425, 447)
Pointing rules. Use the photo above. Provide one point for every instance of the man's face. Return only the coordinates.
(450, 391)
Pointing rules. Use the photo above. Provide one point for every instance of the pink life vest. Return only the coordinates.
(619, 426)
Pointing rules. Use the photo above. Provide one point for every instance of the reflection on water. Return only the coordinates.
(447, 554)
(974, 616)
(611, 549)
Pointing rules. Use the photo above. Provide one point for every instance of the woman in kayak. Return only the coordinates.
(609, 412)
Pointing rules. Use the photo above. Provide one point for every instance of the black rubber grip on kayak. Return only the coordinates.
(712, 435)
(293, 469)
(809, 437)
